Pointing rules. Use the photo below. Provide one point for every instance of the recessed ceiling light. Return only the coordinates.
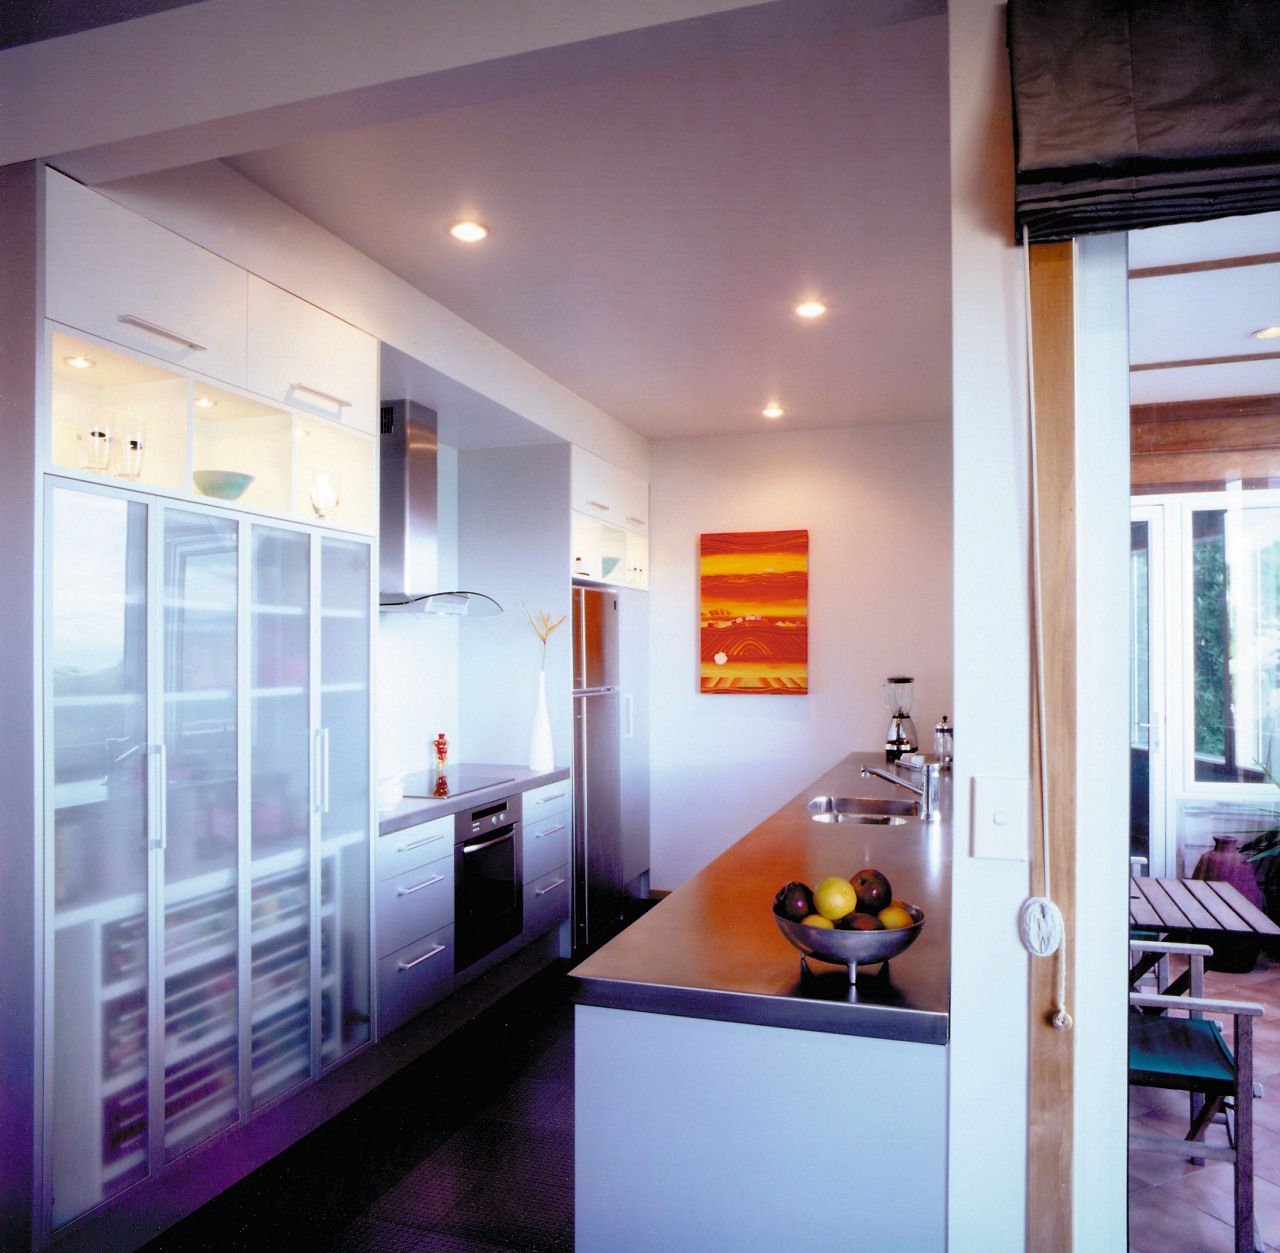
(1268, 332)
(205, 402)
(468, 232)
(80, 363)
(811, 309)
(772, 411)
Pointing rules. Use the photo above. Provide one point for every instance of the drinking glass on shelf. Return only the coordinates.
(128, 442)
(325, 493)
(93, 439)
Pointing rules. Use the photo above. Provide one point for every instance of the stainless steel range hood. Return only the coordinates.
(409, 534)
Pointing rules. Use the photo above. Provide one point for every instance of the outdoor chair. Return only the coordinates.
(1173, 1045)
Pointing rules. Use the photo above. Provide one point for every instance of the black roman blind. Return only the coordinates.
(1132, 113)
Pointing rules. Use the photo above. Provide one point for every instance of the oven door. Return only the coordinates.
(488, 904)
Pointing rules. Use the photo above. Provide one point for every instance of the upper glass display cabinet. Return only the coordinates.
(140, 423)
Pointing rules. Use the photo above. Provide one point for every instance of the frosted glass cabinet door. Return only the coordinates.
(280, 805)
(345, 622)
(201, 1052)
(96, 715)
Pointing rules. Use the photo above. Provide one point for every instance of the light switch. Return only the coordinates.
(1001, 818)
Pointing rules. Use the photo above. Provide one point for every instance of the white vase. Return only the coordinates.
(541, 754)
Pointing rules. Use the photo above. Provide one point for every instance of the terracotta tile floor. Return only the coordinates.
(1175, 1207)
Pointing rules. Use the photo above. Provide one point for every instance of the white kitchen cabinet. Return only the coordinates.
(609, 522)
(120, 277)
(414, 920)
(545, 854)
(308, 359)
(607, 492)
(208, 815)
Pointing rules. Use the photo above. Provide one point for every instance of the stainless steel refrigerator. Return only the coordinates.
(598, 890)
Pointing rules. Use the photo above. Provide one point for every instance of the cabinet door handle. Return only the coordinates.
(636, 521)
(430, 839)
(417, 961)
(551, 887)
(132, 319)
(417, 887)
(315, 391)
(320, 771)
(159, 752)
(598, 504)
(542, 835)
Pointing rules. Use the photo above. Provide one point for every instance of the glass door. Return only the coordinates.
(201, 826)
(97, 808)
(1147, 695)
(343, 799)
(280, 806)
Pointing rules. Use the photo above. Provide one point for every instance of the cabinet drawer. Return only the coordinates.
(124, 279)
(301, 356)
(414, 978)
(414, 846)
(546, 845)
(413, 904)
(542, 802)
(546, 902)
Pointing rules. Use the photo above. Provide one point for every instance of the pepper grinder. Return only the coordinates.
(441, 745)
(944, 742)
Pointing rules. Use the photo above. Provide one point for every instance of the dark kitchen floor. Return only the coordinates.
(468, 1150)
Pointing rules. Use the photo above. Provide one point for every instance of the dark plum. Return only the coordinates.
(794, 901)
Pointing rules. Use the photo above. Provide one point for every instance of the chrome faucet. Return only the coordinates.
(928, 791)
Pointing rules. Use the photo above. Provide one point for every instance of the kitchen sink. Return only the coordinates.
(874, 810)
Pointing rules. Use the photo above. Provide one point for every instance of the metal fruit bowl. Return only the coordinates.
(851, 948)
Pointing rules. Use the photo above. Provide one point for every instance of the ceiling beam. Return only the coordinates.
(222, 77)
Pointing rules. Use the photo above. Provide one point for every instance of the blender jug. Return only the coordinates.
(901, 736)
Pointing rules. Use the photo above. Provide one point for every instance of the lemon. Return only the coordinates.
(894, 916)
(817, 920)
(835, 897)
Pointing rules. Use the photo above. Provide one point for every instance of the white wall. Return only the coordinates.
(988, 1052)
(876, 501)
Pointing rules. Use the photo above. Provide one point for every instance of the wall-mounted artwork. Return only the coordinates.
(755, 613)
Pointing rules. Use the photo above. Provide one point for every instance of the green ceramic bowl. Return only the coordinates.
(222, 484)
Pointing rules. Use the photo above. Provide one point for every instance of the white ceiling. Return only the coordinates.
(652, 232)
(1204, 315)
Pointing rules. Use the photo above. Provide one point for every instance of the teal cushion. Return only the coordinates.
(1179, 1053)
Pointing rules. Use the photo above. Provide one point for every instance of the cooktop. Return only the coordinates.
(454, 781)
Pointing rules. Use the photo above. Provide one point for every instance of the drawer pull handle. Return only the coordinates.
(132, 319)
(542, 835)
(430, 839)
(546, 800)
(551, 887)
(417, 961)
(597, 504)
(417, 887)
(315, 391)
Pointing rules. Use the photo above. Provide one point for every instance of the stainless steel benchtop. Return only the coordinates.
(712, 950)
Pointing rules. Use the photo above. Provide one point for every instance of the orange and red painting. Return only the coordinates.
(755, 613)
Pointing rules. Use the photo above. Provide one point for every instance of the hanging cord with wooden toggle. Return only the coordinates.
(1040, 924)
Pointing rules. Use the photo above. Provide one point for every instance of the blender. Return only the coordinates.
(901, 736)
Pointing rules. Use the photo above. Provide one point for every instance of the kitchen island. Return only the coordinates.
(725, 1097)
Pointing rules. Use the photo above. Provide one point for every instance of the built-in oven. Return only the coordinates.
(488, 896)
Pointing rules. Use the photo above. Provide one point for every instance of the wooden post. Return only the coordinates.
(1051, 1052)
